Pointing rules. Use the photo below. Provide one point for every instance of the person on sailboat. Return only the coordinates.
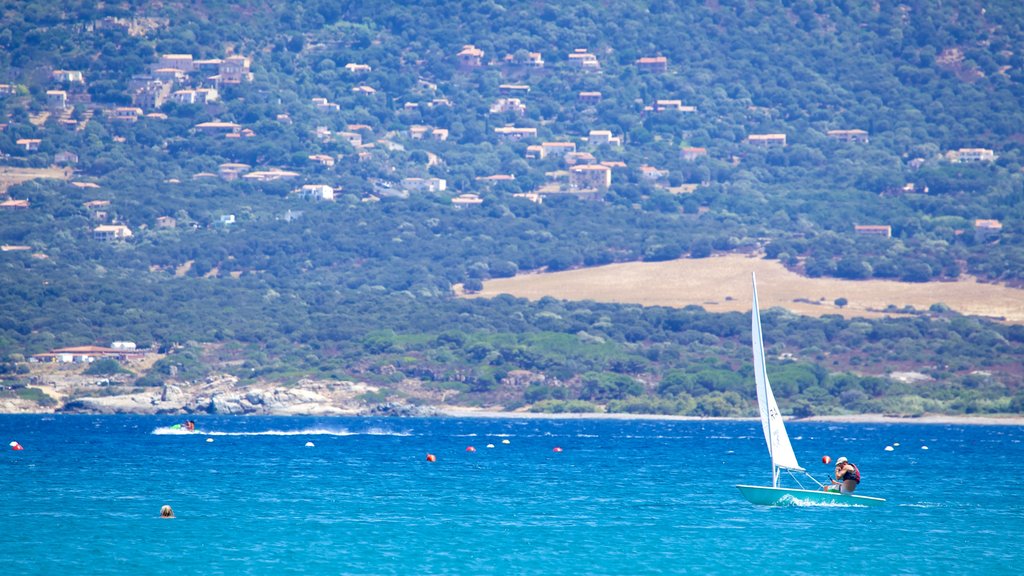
(847, 475)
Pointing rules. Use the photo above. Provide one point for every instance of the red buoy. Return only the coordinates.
(431, 458)
(556, 449)
(825, 459)
(470, 449)
(16, 446)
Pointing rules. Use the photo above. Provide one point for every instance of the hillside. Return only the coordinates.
(282, 190)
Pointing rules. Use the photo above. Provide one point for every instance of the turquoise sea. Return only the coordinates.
(622, 497)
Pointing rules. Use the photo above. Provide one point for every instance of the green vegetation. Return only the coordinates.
(361, 287)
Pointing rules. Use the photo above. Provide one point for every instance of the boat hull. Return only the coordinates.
(768, 496)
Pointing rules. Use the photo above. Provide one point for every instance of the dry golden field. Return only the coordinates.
(9, 175)
(722, 284)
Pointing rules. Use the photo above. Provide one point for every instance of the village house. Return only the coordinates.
(470, 57)
(151, 93)
(168, 75)
(656, 64)
(316, 192)
(364, 90)
(854, 136)
(530, 196)
(182, 62)
(496, 178)
(693, 153)
(196, 96)
(528, 60)
(603, 137)
(986, 230)
(111, 232)
(8, 89)
(358, 68)
(590, 98)
(208, 67)
(534, 152)
(424, 184)
(559, 148)
(15, 248)
(216, 127)
(574, 158)
(467, 200)
(873, 230)
(56, 100)
(325, 160)
(508, 105)
(126, 114)
(231, 171)
(652, 174)
(227, 219)
(234, 70)
(972, 155)
(28, 144)
(68, 76)
(353, 138)
(65, 158)
(590, 177)
(323, 104)
(511, 133)
(166, 222)
(669, 106)
(767, 140)
(418, 132)
(583, 60)
(514, 89)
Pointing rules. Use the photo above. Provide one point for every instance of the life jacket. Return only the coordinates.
(852, 474)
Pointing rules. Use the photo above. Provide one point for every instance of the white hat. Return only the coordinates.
(840, 460)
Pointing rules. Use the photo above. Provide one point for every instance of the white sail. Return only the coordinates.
(771, 419)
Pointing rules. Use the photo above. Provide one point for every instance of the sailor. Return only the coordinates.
(847, 475)
(190, 425)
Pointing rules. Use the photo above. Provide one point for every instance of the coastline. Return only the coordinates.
(946, 419)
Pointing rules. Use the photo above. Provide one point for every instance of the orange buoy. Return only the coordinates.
(16, 446)
(431, 458)
(556, 449)
(470, 449)
(825, 459)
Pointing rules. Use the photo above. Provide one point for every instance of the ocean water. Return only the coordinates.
(622, 497)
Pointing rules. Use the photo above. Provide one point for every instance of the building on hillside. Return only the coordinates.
(574, 158)
(151, 93)
(358, 68)
(655, 64)
(470, 57)
(57, 100)
(526, 60)
(87, 354)
(508, 105)
(216, 127)
(270, 175)
(590, 98)
(424, 184)
(231, 171)
(652, 174)
(12, 204)
(603, 137)
(972, 155)
(511, 133)
(873, 230)
(111, 233)
(583, 60)
(68, 76)
(590, 177)
(557, 148)
(669, 106)
(693, 153)
(126, 114)
(195, 96)
(234, 70)
(986, 230)
(166, 222)
(467, 200)
(856, 136)
(325, 160)
(182, 62)
(514, 90)
(767, 140)
(28, 144)
(317, 192)
(65, 158)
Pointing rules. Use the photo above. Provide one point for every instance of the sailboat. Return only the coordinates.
(779, 448)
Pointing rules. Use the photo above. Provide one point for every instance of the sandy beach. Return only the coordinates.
(459, 412)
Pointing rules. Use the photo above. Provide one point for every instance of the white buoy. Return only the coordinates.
(895, 443)
(309, 444)
(209, 439)
(505, 441)
(490, 445)
(13, 444)
(889, 448)
(924, 447)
